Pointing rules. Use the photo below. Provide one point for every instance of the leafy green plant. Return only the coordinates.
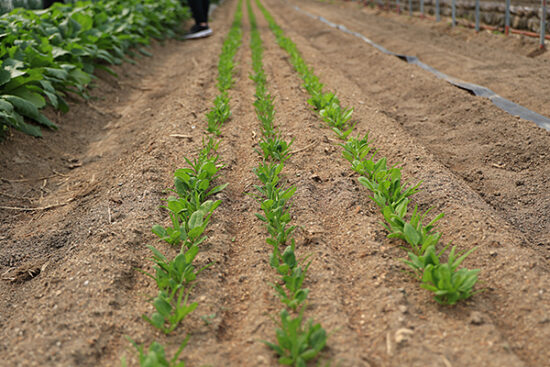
(320, 100)
(221, 111)
(356, 149)
(171, 309)
(190, 212)
(277, 218)
(419, 262)
(335, 115)
(449, 284)
(345, 132)
(275, 148)
(229, 49)
(48, 54)
(417, 235)
(315, 88)
(170, 275)
(291, 294)
(185, 229)
(385, 184)
(155, 356)
(265, 112)
(219, 114)
(193, 187)
(297, 343)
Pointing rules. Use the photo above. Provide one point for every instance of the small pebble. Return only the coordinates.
(403, 335)
(476, 318)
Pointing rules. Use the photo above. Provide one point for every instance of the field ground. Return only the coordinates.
(70, 291)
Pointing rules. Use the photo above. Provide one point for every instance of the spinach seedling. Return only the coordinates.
(156, 357)
(171, 309)
(297, 343)
(448, 284)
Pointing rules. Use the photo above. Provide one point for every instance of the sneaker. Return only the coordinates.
(198, 31)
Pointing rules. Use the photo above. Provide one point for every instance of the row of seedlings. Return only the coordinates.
(190, 211)
(297, 340)
(444, 278)
(47, 55)
(221, 111)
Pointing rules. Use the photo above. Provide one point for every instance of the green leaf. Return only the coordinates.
(413, 237)
(159, 231)
(196, 219)
(162, 307)
(195, 232)
(217, 189)
(81, 77)
(5, 106)
(36, 99)
(5, 76)
(28, 109)
(29, 129)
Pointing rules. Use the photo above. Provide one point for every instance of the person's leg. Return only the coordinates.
(199, 8)
(205, 7)
(197, 11)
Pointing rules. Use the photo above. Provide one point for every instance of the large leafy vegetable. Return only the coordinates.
(46, 54)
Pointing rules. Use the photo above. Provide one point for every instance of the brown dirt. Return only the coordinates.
(71, 292)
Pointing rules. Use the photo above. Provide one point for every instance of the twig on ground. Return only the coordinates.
(15, 197)
(181, 136)
(388, 344)
(30, 179)
(304, 148)
(36, 209)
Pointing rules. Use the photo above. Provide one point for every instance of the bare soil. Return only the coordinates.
(70, 291)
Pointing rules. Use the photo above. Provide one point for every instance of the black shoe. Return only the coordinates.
(198, 31)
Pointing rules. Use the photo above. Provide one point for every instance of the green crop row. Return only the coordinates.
(46, 55)
(448, 283)
(221, 110)
(297, 340)
(190, 211)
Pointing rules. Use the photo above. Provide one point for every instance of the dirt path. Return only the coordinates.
(71, 292)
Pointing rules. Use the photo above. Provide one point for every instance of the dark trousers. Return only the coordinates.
(199, 8)
(48, 3)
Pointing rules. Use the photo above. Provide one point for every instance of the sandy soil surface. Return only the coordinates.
(70, 290)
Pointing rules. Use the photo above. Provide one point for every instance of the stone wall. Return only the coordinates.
(524, 16)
